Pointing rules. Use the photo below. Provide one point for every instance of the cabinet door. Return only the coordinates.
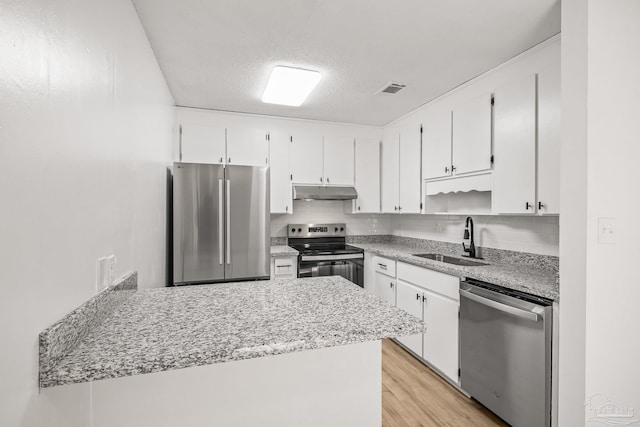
(202, 144)
(409, 299)
(441, 338)
(472, 135)
(367, 174)
(385, 288)
(247, 146)
(279, 155)
(307, 158)
(390, 172)
(549, 128)
(410, 158)
(436, 143)
(514, 170)
(338, 160)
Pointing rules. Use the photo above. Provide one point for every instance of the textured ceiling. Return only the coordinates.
(218, 54)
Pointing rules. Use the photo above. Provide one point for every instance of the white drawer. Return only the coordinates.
(284, 267)
(385, 266)
(434, 281)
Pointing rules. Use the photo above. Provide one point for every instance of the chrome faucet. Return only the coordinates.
(468, 235)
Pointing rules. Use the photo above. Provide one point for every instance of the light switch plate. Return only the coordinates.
(606, 231)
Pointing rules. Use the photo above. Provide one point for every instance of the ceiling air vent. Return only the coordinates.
(391, 88)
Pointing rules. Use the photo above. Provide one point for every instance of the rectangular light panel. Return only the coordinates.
(289, 86)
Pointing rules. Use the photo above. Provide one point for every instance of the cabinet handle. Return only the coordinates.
(453, 168)
(424, 298)
(327, 180)
(417, 296)
(286, 208)
(382, 266)
(446, 169)
(229, 159)
(391, 285)
(358, 207)
(320, 179)
(399, 208)
(540, 205)
(527, 205)
(395, 208)
(220, 159)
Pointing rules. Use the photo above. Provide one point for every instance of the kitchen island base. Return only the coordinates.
(336, 386)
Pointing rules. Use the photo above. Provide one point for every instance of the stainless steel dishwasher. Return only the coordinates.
(505, 352)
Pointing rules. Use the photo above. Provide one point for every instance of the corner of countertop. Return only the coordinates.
(63, 336)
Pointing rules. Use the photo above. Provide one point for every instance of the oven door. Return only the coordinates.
(350, 269)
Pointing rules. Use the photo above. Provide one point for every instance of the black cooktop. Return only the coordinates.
(325, 248)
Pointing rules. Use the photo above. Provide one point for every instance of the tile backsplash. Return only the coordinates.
(538, 235)
(534, 234)
(329, 211)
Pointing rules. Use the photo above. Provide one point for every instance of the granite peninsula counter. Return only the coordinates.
(179, 327)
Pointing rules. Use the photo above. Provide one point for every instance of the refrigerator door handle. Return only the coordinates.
(220, 219)
(228, 219)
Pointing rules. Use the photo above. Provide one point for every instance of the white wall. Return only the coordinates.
(538, 235)
(85, 139)
(330, 211)
(599, 293)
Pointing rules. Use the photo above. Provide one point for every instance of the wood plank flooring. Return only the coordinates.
(414, 395)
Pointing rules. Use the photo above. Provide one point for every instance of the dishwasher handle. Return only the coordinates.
(518, 312)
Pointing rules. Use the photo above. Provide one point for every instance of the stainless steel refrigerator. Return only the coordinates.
(221, 223)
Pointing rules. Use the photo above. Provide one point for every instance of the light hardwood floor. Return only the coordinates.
(414, 395)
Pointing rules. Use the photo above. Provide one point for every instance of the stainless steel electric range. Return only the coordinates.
(323, 252)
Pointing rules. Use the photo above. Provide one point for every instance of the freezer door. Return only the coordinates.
(248, 226)
(198, 223)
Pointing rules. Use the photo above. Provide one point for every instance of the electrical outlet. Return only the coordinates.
(607, 231)
(101, 274)
(111, 269)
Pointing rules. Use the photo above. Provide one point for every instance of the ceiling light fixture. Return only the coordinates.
(289, 86)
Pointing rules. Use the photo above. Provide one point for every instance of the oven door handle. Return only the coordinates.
(330, 257)
(524, 314)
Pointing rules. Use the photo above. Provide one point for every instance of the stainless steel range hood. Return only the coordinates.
(319, 192)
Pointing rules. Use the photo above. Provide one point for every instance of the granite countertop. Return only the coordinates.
(282, 251)
(179, 327)
(521, 276)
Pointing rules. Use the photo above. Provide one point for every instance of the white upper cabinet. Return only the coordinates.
(246, 146)
(549, 128)
(410, 185)
(436, 142)
(338, 160)
(514, 171)
(472, 135)
(307, 158)
(401, 186)
(367, 176)
(390, 172)
(202, 144)
(279, 155)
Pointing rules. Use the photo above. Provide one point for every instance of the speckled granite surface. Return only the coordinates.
(506, 270)
(283, 250)
(63, 337)
(178, 327)
(278, 241)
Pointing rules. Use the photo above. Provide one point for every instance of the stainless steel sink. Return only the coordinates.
(451, 260)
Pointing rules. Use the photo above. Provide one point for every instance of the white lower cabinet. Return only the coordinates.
(384, 282)
(409, 298)
(434, 298)
(284, 267)
(385, 288)
(440, 346)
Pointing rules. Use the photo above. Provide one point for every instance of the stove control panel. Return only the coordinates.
(316, 230)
